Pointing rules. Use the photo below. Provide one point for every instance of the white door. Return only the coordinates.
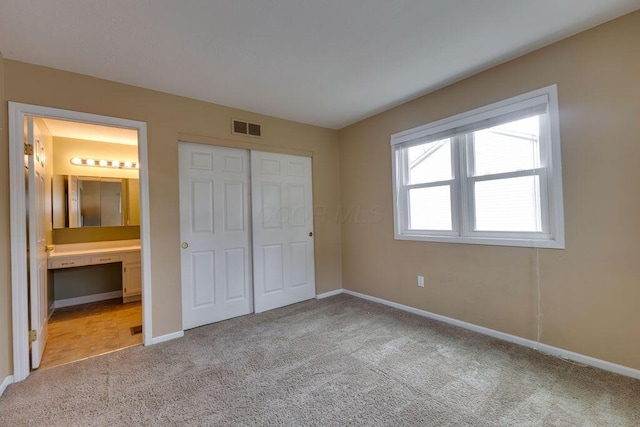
(37, 254)
(215, 233)
(282, 230)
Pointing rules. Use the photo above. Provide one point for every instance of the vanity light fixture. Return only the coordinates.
(117, 164)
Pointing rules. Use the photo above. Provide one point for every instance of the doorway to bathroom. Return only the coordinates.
(80, 240)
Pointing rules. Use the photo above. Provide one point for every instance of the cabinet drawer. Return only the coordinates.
(105, 259)
(67, 262)
(132, 258)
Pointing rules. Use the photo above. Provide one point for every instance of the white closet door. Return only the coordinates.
(215, 233)
(282, 230)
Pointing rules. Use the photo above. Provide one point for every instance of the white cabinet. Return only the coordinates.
(131, 277)
(77, 255)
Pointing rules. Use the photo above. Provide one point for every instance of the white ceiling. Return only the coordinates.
(324, 62)
(90, 132)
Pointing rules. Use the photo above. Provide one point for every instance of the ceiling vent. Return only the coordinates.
(239, 127)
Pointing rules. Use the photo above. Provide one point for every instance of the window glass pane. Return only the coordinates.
(508, 147)
(430, 162)
(511, 204)
(430, 208)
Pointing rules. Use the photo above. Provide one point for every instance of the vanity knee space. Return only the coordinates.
(100, 263)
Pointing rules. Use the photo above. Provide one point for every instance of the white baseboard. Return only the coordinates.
(126, 300)
(548, 349)
(329, 294)
(5, 383)
(87, 299)
(167, 337)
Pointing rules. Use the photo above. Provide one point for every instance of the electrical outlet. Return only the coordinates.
(421, 281)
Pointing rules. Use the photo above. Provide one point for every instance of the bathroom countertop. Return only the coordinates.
(92, 248)
(58, 254)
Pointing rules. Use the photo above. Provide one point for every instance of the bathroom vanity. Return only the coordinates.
(126, 252)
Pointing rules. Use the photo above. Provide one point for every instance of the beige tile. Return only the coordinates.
(88, 330)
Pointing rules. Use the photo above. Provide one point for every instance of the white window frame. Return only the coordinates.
(462, 202)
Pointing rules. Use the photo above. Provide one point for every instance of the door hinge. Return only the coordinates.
(33, 335)
(28, 149)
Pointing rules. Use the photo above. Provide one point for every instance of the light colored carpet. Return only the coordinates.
(339, 361)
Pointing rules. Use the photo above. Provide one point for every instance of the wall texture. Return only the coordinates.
(167, 117)
(6, 345)
(64, 149)
(63, 236)
(590, 293)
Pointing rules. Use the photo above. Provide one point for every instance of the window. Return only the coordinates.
(488, 176)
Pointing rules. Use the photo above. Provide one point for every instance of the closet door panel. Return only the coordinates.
(282, 229)
(214, 229)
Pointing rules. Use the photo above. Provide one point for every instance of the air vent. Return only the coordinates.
(240, 127)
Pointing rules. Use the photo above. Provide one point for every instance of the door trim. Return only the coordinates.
(19, 291)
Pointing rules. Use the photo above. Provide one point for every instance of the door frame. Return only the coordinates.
(18, 212)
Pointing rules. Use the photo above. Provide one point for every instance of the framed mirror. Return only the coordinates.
(87, 201)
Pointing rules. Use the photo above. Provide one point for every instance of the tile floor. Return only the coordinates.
(88, 330)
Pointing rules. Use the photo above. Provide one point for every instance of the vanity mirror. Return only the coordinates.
(87, 201)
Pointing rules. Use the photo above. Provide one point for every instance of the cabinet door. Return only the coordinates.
(132, 279)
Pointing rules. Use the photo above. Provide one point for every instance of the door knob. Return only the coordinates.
(311, 234)
(184, 245)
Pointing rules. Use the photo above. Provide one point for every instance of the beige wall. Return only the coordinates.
(62, 236)
(166, 117)
(64, 149)
(6, 345)
(590, 292)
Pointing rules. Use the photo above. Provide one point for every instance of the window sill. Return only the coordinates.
(492, 241)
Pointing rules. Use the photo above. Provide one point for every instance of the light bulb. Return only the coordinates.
(115, 163)
(102, 163)
(91, 162)
(76, 161)
(127, 164)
